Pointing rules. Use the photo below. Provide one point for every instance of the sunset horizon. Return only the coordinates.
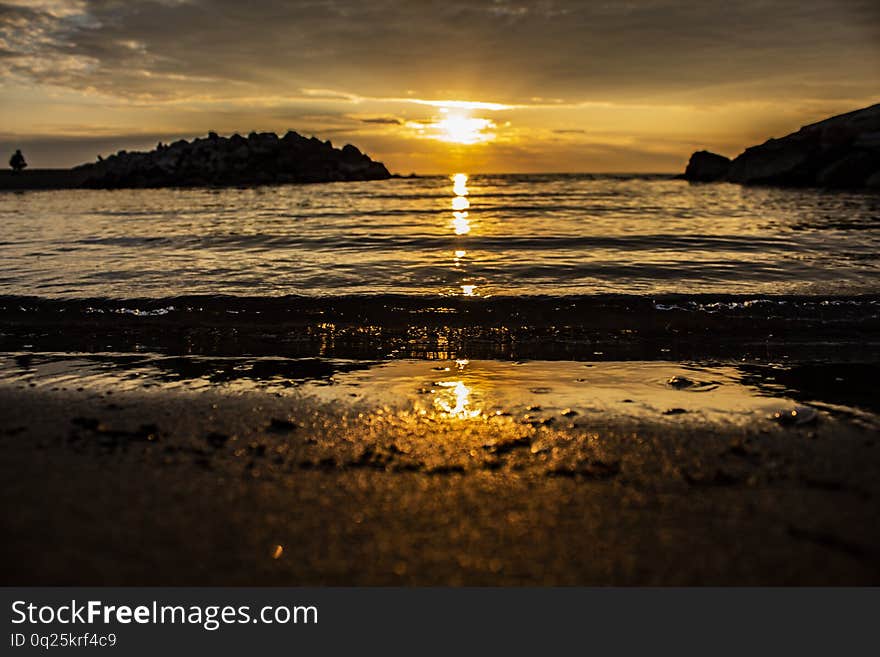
(493, 87)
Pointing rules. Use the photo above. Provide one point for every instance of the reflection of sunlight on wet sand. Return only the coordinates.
(454, 400)
(630, 391)
(656, 391)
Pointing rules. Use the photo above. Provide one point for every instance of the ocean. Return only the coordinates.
(451, 236)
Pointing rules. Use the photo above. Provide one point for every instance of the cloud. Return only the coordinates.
(490, 51)
(566, 71)
(383, 120)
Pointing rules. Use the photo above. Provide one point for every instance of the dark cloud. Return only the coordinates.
(383, 120)
(582, 76)
(502, 50)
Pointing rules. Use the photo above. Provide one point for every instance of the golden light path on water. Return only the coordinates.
(461, 224)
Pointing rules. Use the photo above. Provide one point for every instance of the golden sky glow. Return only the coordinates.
(477, 86)
(458, 126)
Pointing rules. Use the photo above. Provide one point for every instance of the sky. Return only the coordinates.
(434, 87)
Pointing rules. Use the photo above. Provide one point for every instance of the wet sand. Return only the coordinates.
(590, 327)
(145, 469)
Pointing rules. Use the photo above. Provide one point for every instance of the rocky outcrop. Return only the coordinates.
(840, 152)
(705, 166)
(260, 158)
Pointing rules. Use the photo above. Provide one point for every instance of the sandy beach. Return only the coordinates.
(119, 471)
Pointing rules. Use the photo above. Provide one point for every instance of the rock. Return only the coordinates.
(261, 158)
(775, 162)
(840, 152)
(705, 166)
(351, 152)
(857, 166)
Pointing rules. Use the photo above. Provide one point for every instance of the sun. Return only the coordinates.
(456, 125)
(461, 128)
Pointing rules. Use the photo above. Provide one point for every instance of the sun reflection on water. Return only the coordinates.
(460, 203)
(461, 224)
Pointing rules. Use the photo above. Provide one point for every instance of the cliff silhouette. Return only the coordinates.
(839, 152)
(258, 159)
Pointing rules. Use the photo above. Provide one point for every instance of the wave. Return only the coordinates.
(605, 327)
(541, 308)
(649, 242)
(564, 234)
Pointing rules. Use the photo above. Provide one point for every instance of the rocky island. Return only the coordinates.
(259, 158)
(840, 152)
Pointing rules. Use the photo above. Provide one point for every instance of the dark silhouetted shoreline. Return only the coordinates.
(840, 152)
(213, 161)
(41, 179)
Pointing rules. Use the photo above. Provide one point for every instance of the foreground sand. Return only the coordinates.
(420, 472)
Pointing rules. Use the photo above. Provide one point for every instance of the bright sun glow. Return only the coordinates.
(457, 125)
(460, 128)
